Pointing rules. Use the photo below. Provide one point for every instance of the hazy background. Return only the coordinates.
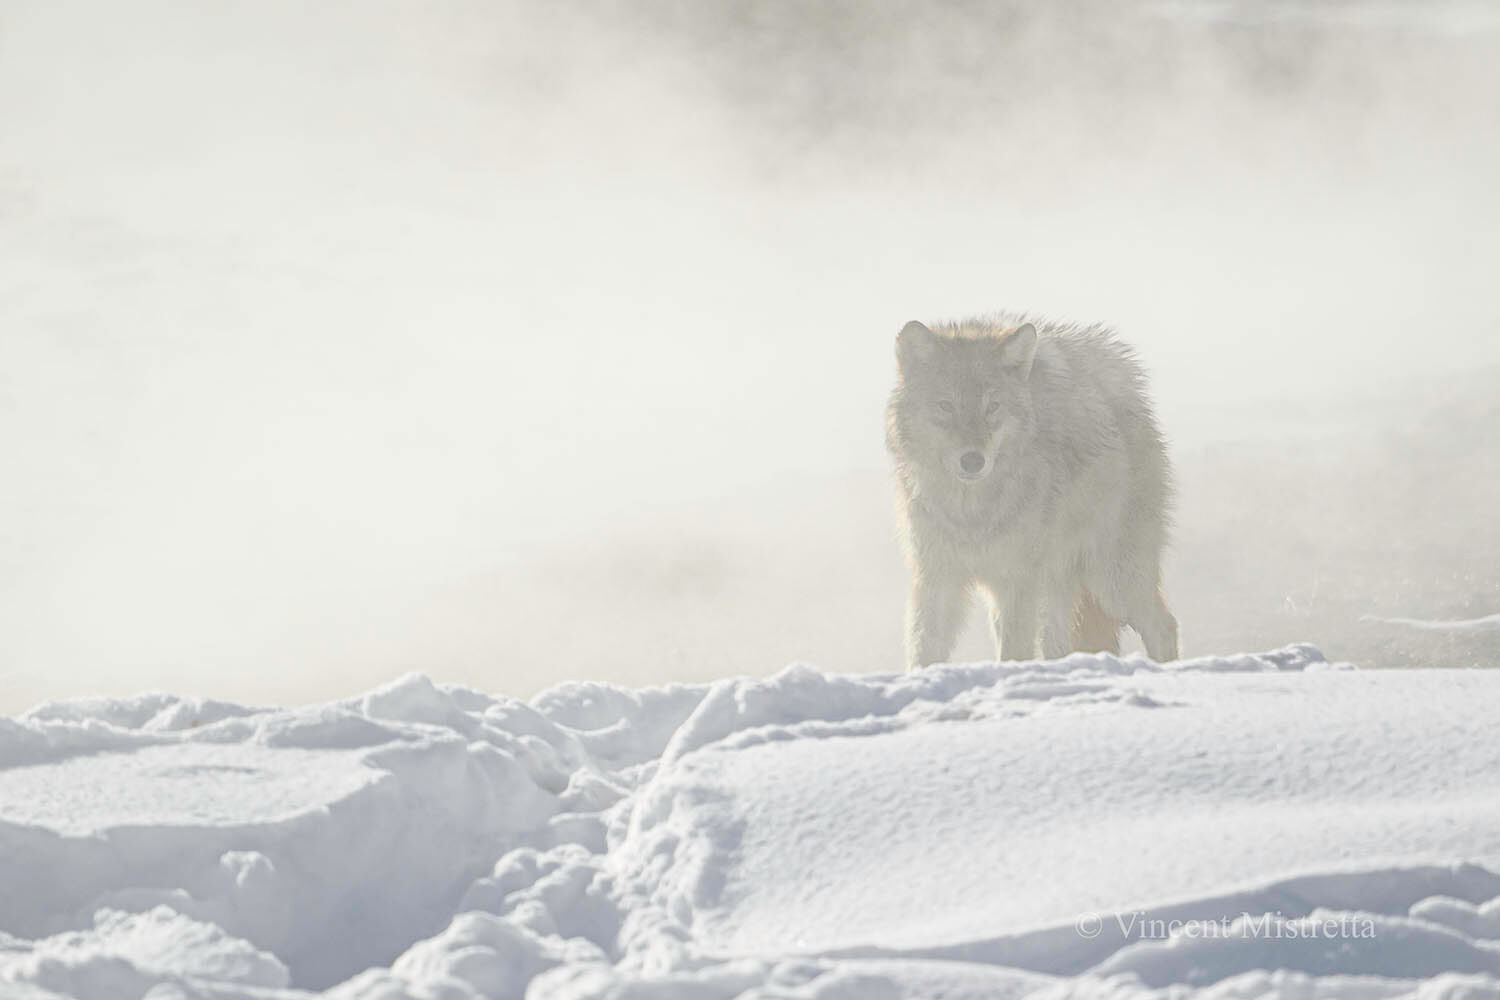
(523, 342)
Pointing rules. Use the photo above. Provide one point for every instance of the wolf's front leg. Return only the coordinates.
(934, 613)
(1015, 622)
(1057, 622)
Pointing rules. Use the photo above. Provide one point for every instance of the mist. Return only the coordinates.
(519, 343)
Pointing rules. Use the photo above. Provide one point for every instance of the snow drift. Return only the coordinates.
(1252, 825)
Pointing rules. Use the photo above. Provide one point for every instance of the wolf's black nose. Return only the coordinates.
(971, 461)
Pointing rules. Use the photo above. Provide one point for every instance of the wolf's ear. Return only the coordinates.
(1018, 349)
(915, 345)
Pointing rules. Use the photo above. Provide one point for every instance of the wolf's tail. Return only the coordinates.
(1093, 630)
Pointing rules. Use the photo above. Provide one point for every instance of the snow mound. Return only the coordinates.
(1269, 825)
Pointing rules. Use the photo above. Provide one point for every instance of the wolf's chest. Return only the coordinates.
(983, 526)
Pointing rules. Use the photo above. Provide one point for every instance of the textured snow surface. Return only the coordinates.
(1256, 825)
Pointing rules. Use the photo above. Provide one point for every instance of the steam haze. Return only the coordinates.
(518, 343)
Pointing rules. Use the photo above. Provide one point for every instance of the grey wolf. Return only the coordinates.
(1030, 467)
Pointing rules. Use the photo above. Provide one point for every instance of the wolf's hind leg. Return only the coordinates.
(1094, 631)
(1157, 627)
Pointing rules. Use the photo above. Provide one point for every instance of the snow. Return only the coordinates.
(1255, 825)
(1488, 623)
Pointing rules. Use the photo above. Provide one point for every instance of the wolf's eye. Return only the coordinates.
(946, 407)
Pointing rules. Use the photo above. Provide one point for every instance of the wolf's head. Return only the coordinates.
(963, 396)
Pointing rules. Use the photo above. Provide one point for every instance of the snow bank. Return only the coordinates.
(1257, 824)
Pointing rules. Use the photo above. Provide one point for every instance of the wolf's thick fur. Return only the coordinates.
(1030, 467)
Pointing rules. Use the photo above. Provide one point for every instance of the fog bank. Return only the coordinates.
(362, 337)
